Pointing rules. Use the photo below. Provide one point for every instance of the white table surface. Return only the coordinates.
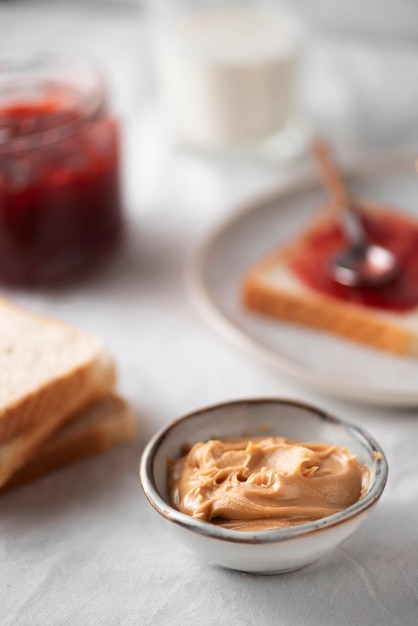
(83, 546)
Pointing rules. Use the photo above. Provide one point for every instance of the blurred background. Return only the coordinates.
(360, 85)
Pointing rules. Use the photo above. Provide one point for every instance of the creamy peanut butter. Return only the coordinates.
(257, 483)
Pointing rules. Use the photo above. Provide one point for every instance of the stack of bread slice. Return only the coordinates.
(57, 401)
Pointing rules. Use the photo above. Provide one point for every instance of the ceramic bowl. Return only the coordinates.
(267, 551)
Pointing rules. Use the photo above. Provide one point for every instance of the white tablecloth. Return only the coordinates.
(83, 546)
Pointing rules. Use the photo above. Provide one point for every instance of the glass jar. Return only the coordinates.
(60, 205)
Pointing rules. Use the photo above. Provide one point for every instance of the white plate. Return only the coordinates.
(324, 362)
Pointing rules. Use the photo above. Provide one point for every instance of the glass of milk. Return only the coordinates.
(228, 74)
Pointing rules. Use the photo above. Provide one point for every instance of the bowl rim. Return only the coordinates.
(207, 529)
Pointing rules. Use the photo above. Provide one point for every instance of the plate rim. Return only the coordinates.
(298, 181)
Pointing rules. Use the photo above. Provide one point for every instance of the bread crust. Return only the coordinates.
(81, 438)
(313, 309)
(325, 314)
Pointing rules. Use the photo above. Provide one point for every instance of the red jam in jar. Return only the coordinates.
(393, 231)
(60, 206)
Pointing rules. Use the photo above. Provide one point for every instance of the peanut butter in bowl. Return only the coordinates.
(264, 482)
(257, 499)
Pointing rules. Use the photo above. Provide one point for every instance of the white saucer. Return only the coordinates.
(326, 363)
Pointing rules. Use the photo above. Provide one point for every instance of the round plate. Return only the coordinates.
(324, 362)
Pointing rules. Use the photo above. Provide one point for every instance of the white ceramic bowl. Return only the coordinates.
(268, 551)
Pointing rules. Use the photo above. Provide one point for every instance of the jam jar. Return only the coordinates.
(60, 204)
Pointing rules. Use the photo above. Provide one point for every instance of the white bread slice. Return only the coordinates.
(48, 371)
(106, 424)
(273, 289)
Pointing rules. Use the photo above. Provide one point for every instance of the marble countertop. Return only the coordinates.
(83, 546)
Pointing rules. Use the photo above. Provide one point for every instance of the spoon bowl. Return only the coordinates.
(366, 266)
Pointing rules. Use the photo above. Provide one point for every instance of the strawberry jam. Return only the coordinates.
(60, 205)
(398, 233)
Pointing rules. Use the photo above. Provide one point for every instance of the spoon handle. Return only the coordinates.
(330, 174)
(353, 228)
(340, 197)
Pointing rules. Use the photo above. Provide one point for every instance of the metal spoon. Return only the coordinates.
(361, 263)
